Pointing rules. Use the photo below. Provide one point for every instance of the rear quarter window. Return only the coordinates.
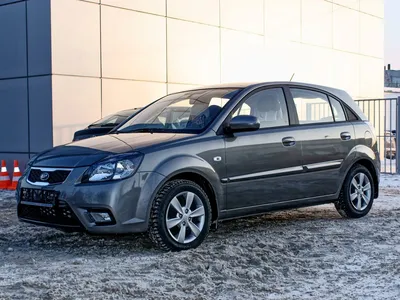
(350, 115)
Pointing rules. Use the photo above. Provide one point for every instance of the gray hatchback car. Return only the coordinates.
(238, 150)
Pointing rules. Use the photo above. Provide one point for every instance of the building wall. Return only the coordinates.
(108, 55)
(25, 79)
(121, 54)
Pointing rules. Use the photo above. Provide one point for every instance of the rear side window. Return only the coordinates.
(338, 112)
(312, 107)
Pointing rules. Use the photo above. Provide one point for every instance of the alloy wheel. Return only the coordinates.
(185, 217)
(360, 191)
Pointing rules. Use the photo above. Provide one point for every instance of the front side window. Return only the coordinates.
(312, 107)
(243, 110)
(190, 112)
(269, 106)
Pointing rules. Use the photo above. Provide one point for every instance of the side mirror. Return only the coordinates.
(243, 123)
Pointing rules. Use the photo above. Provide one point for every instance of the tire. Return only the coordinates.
(390, 156)
(163, 211)
(358, 207)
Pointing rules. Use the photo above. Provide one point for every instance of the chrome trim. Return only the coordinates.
(266, 173)
(51, 169)
(326, 164)
(39, 183)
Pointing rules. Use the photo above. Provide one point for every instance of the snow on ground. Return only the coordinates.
(307, 253)
(391, 181)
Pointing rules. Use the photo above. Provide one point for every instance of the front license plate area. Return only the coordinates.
(39, 197)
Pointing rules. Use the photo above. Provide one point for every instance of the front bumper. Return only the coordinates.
(127, 201)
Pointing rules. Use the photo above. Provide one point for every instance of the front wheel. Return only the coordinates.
(357, 194)
(180, 216)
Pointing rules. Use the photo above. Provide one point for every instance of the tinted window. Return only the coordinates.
(129, 112)
(350, 115)
(190, 111)
(269, 106)
(243, 110)
(338, 112)
(312, 107)
(114, 119)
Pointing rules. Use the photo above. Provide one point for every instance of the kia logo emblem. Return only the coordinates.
(44, 176)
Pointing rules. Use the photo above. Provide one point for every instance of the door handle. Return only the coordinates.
(345, 136)
(288, 141)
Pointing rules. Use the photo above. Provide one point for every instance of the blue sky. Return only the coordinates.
(392, 33)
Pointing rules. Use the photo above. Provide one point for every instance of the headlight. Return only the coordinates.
(113, 168)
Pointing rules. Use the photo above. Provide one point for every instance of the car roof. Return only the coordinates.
(267, 83)
(341, 94)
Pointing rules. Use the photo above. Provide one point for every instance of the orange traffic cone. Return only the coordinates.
(16, 176)
(4, 177)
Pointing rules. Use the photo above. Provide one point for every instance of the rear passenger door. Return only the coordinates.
(326, 139)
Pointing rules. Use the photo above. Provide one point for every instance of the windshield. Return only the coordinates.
(190, 111)
(114, 119)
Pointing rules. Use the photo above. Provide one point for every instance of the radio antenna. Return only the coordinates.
(292, 76)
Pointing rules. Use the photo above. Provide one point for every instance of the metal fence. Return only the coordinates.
(384, 116)
(392, 84)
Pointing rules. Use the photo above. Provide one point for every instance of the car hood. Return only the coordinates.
(89, 151)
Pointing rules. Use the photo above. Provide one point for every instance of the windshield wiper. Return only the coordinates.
(103, 125)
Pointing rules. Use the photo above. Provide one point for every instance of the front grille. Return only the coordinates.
(61, 214)
(39, 196)
(54, 177)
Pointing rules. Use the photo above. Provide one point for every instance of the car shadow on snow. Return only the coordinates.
(80, 243)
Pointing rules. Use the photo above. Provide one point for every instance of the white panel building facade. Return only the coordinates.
(101, 56)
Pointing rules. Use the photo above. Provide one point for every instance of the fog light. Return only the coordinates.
(101, 217)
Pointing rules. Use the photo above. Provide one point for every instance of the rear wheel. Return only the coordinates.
(357, 194)
(180, 216)
(390, 155)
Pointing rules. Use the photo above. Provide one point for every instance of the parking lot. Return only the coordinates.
(308, 253)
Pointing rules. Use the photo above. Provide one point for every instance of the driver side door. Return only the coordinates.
(263, 166)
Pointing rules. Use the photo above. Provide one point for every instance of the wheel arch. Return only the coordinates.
(369, 164)
(367, 157)
(197, 170)
(205, 185)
